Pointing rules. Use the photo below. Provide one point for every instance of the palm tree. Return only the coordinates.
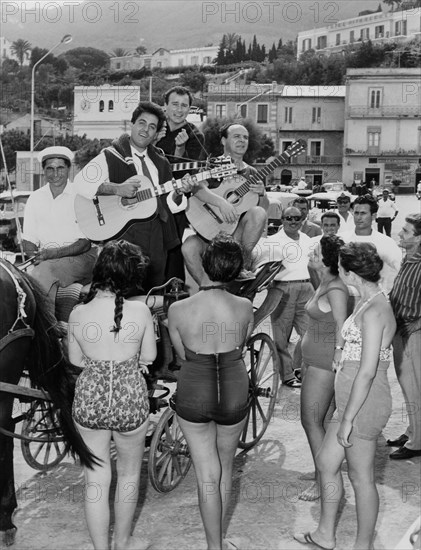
(119, 52)
(231, 41)
(20, 48)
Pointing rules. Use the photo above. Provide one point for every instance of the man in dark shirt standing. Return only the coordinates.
(181, 141)
(406, 302)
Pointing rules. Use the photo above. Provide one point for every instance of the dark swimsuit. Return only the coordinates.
(213, 386)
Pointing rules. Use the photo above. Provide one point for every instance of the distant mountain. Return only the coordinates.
(172, 24)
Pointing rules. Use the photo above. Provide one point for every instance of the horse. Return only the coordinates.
(29, 339)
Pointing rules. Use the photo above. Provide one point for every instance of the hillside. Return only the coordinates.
(169, 23)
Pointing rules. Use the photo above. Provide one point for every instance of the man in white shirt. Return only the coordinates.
(386, 213)
(63, 255)
(344, 210)
(365, 209)
(291, 247)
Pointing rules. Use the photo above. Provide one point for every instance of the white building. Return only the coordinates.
(6, 52)
(379, 27)
(104, 112)
(382, 134)
(164, 58)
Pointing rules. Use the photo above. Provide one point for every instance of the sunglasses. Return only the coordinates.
(292, 218)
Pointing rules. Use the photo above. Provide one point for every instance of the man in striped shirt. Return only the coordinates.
(406, 302)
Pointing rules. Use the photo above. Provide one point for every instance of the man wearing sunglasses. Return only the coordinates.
(292, 247)
(62, 254)
(308, 228)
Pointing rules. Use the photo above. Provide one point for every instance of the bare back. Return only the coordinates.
(90, 332)
(212, 321)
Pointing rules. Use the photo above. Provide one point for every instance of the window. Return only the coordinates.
(375, 98)
(352, 36)
(379, 31)
(400, 28)
(242, 110)
(195, 60)
(365, 34)
(321, 42)
(206, 60)
(288, 115)
(111, 105)
(118, 66)
(338, 39)
(315, 148)
(306, 44)
(101, 106)
(221, 110)
(373, 138)
(316, 115)
(180, 62)
(262, 113)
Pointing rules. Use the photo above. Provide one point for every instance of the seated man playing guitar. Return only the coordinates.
(245, 218)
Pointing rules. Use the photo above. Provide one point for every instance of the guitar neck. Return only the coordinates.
(181, 166)
(262, 173)
(168, 187)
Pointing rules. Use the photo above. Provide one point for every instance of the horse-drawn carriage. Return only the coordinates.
(42, 442)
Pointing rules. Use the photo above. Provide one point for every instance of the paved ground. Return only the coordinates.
(265, 510)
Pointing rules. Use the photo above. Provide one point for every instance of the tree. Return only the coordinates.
(119, 52)
(38, 53)
(194, 80)
(211, 129)
(392, 3)
(272, 53)
(87, 59)
(90, 150)
(20, 48)
(141, 50)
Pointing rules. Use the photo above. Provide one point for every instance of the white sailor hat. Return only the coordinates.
(344, 195)
(56, 152)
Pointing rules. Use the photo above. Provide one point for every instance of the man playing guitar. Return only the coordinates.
(250, 225)
(116, 171)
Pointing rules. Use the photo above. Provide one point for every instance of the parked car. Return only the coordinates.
(8, 214)
(334, 186)
(320, 202)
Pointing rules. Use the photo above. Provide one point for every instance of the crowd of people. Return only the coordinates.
(343, 290)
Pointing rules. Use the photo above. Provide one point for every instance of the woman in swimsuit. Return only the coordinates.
(322, 347)
(363, 401)
(208, 331)
(111, 400)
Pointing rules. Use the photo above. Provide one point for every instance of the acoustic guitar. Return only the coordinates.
(206, 218)
(105, 216)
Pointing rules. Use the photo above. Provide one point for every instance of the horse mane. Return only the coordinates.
(50, 370)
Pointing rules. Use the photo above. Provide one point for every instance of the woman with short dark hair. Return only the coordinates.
(209, 331)
(322, 347)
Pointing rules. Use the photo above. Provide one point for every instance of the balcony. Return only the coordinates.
(390, 111)
(392, 153)
(316, 159)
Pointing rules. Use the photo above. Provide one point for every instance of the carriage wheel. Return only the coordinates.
(43, 446)
(263, 368)
(169, 457)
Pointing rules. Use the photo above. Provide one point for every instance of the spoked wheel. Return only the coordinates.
(263, 368)
(169, 457)
(42, 444)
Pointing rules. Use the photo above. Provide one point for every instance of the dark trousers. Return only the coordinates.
(386, 224)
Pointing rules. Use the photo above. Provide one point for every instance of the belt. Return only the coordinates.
(299, 281)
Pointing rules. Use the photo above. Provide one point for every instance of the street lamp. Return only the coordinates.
(67, 38)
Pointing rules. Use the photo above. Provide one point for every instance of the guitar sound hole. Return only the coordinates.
(232, 197)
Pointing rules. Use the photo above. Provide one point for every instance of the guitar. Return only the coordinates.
(105, 216)
(206, 218)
